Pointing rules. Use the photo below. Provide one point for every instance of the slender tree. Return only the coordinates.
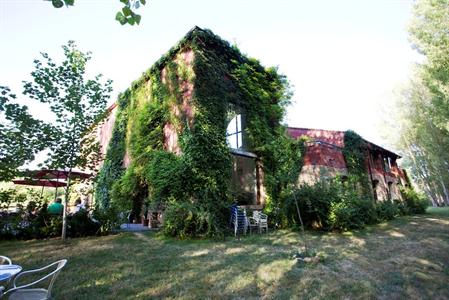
(422, 111)
(78, 105)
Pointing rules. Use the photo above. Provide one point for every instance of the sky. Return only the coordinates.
(344, 59)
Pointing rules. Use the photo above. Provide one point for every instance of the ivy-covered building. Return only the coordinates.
(200, 129)
(324, 157)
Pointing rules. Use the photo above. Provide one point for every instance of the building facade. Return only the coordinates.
(324, 159)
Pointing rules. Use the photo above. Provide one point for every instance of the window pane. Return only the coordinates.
(239, 140)
(232, 126)
(239, 123)
(232, 141)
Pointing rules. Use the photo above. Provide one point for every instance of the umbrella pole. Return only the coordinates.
(42, 192)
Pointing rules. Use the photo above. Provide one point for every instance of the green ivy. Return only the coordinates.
(195, 186)
(354, 152)
(112, 168)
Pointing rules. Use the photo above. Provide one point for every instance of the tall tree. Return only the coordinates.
(79, 105)
(422, 112)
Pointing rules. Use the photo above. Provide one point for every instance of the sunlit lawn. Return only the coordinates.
(406, 258)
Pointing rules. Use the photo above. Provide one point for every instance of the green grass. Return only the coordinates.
(402, 259)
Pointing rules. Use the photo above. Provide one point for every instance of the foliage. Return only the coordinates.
(127, 15)
(422, 110)
(127, 193)
(21, 135)
(112, 168)
(354, 154)
(32, 219)
(11, 196)
(78, 105)
(415, 202)
(331, 205)
(337, 205)
(387, 210)
(195, 178)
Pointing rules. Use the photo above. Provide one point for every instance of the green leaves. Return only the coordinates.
(121, 18)
(125, 16)
(61, 3)
(78, 105)
(421, 119)
(21, 135)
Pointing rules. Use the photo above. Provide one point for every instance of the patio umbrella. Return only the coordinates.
(40, 182)
(55, 174)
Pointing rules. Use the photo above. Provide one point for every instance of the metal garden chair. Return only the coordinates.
(25, 291)
(5, 260)
(263, 222)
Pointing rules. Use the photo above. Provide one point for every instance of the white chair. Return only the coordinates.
(24, 292)
(5, 260)
(252, 223)
(263, 222)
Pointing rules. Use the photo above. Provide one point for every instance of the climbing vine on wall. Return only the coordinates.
(192, 184)
(354, 153)
(112, 168)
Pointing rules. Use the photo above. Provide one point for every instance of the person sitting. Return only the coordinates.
(78, 206)
(56, 208)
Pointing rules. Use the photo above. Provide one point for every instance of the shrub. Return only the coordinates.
(415, 202)
(185, 219)
(80, 224)
(108, 219)
(343, 216)
(387, 210)
(330, 205)
(179, 219)
(402, 207)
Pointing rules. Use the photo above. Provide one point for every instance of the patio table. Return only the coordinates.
(9, 271)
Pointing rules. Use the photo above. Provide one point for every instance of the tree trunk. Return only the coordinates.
(66, 200)
(446, 194)
(302, 224)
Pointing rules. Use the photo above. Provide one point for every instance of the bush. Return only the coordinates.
(415, 202)
(108, 219)
(387, 210)
(185, 219)
(329, 205)
(402, 207)
(344, 215)
(80, 224)
(26, 225)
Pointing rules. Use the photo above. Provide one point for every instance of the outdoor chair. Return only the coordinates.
(26, 292)
(263, 222)
(238, 220)
(252, 223)
(5, 260)
(259, 220)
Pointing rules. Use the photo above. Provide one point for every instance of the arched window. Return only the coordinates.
(234, 132)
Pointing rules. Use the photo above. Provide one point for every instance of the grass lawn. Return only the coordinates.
(403, 259)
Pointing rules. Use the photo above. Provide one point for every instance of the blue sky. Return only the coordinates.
(344, 58)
